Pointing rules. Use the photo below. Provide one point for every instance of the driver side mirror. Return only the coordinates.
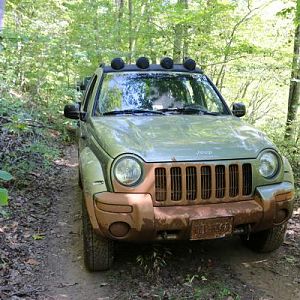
(238, 109)
(71, 111)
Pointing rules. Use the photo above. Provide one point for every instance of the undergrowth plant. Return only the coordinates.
(153, 261)
(4, 176)
(27, 137)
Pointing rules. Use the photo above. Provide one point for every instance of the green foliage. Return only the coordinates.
(43, 59)
(43, 149)
(4, 176)
(38, 237)
(153, 262)
(190, 278)
(3, 197)
(218, 291)
(25, 139)
(36, 156)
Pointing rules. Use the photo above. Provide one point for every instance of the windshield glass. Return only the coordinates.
(156, 91)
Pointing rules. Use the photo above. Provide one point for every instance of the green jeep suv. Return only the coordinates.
(162, 157)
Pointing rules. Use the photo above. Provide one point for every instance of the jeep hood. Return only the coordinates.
(179, 137)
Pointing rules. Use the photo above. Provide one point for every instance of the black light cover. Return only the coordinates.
(189, 64)
(143, 62)
(167, 63)
(117, 63)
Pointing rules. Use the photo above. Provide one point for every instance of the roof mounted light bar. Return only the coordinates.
(143, 63)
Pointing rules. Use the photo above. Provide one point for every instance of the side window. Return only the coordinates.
(89, 93)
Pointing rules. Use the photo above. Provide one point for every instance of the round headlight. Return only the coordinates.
(128, 171)
(269, 164)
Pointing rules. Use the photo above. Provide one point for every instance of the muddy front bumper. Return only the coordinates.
(132, 217)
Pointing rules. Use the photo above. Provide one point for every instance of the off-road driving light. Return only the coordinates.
(269, 164)
(143, 62)
(189, 64)
(128, 171)
(117, 63)
(167, 63)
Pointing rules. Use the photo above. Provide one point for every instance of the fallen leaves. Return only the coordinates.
(32, 261)
(31, 197)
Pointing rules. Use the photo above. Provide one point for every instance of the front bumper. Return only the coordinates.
(132, 217)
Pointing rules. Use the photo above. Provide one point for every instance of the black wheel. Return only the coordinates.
(98, 251)
(266, 240)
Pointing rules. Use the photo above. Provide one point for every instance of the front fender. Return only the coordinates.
(91, 172)
(93, 181)
(288, 171)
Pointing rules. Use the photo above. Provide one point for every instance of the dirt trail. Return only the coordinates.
(200, 270)
(65, 276)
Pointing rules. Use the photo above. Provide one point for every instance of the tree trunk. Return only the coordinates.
(120, 8)
(179, 46)
(151, 41)
(177, 51)
(294, 93)
(135, 30)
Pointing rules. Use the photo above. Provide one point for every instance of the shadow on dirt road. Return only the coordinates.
(221, 269)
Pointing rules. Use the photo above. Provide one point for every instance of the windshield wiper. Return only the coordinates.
(189, 110)
(133, 111)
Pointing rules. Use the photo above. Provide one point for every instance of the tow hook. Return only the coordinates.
(245, 230)
(164, 235)
(248, 231)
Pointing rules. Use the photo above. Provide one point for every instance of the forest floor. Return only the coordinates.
(41, 255)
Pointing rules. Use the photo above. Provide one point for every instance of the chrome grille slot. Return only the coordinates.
(176, 183)
(191, 183)
(160, 184)
(233, 180)
(205, 182)
(247, 179)
(220, 181)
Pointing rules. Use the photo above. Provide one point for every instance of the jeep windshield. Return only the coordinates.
(157, 93)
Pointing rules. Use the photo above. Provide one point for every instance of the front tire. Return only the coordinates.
(98, 251)
(266, 240)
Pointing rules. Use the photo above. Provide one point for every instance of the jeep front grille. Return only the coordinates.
(203, 182)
